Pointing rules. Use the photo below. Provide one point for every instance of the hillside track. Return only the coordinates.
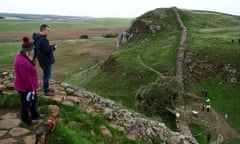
(220, 125)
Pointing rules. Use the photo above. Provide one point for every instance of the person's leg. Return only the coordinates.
(25, 108)
(33, 108)
(46, 76)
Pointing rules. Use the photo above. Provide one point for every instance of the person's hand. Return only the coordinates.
(33, 93)
(54, 46)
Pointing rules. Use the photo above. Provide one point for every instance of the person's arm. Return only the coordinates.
(25, 72)
(45, 47)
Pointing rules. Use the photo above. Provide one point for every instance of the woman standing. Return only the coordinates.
(26, 82)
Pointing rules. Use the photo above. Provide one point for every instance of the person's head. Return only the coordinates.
(27, 47)
(44, 29)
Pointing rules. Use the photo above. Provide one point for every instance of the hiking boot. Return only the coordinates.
(41, 116)
(49, 94)
(33, 122)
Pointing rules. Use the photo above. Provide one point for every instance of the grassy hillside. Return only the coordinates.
(122, 74)
(211, 35)
(15, 25)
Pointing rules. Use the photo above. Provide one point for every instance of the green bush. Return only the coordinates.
(83, 37)
(110, 35)
(154, 98)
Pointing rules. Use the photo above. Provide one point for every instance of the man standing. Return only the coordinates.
(44, 54)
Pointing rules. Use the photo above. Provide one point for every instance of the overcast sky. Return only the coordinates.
(112, 8)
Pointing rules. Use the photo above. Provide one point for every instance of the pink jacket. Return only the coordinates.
(26, 77)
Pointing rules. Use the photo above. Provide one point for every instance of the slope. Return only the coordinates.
(122, 73)
(212, 62)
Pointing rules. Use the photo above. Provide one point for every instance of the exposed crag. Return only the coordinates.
(142, 26)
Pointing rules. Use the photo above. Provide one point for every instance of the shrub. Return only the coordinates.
(154, 98)
(83, 37)
(110, 35)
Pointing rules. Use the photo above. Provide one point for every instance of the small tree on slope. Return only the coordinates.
(155, 98)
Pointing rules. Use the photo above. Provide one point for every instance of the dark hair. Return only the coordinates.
(43, 27)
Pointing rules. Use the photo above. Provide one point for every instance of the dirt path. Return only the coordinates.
(219, 124)
(148, 67)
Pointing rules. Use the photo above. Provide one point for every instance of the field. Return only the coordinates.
(73, 54)
(19, 25)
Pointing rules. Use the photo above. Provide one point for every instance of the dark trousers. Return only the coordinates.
(28, 109)
(46, 77)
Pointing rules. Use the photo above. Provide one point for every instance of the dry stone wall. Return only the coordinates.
(182, 123)
(131, 123)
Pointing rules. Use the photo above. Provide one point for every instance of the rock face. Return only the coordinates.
(197, 66)
(142, 26)
(231, 73)
(130, 123)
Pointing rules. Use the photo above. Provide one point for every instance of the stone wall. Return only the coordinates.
(182, 46)
(182, 123)
(131, 123)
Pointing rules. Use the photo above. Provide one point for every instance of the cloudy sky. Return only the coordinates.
(112, 8)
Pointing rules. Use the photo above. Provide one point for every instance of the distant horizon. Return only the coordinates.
(113, 8)
(85, 16)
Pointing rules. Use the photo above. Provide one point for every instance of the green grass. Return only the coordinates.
(71, 56)
(15, 25)
(224, 97)
(122, 82)
(210, 35)
(8, 52)
(63, 133)
(199, 133)
(232, 141)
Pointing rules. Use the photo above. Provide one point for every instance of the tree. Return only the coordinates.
(157, 97)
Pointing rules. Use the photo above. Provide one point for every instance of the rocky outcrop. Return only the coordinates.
(142, 26)
(197, 66)
(122, 119)
(122, 39)
(232, 74)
